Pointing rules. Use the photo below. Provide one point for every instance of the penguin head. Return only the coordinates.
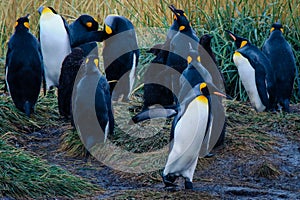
(88, 22)
(205, 40)
(239, 41)
(180, 17)
(206, 89)
(193, 57)
(91, 64)
(22, 23)
(46, 10)
(276, 27)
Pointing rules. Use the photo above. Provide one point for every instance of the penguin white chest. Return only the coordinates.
(55, 46)
(247, 75)
(188, 137)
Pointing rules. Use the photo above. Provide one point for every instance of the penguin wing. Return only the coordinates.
(154, 113)
(260, 80)
(67, 28)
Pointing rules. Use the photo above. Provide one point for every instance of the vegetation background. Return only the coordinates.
(25, 175)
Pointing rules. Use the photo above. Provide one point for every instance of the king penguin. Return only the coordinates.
(281, 56)
(55, 43)
(157, 90)
(82, 25)
(189, 128)
(120, 55)
(256, 73)
(91, 104)
(24, 67)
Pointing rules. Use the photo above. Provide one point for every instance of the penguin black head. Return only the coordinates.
(180, 17)
(46, 9)
(277, 26)
(205, 40)
(239, 41)
(23, 23)
(88, 22)
(207, 89)
(193, 57)
(91, 63)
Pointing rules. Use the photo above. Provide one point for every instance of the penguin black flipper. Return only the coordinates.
(152, 113)
(260, 72)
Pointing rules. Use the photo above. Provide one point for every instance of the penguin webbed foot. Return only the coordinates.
(169, 180)
(209, 155)
(188, 184)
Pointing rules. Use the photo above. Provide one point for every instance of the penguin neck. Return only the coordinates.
(21, 29)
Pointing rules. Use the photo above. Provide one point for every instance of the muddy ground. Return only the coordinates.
(239, 170)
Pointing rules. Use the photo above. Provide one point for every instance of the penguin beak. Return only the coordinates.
(40, 10)
(233, 36)
(173, 9)
(108, 30)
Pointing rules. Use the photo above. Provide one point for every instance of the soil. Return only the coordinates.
(230, 174)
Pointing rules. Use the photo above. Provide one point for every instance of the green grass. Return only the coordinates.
(24, 176)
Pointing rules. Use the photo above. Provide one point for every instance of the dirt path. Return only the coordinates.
(228, 175)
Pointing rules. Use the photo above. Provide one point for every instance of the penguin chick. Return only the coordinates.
(69, 70)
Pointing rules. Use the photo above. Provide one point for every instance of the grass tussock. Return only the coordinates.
(25, 176)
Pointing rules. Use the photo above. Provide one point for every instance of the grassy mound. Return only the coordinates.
(23, 175)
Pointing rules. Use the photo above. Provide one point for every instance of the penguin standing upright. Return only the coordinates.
(120, 55)
(24, 67)
(189, 128)
(91, 104)
(78, 29)
(256, 73)
(55, 43)
(194, 74)
(69, 70)
(179, 48)
(157, 90)
(282, 59)
(209, 61)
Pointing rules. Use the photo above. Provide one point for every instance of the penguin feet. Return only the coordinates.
(169, 180)
(188, 184)
(209, 155)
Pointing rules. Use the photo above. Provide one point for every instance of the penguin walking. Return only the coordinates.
(120, 55)
(256, 73)
(282, 59)
(82, 25)
(69, 70)
(191, 124)
(24, 67)
(189, 128)
(55, 43)
(91, 104)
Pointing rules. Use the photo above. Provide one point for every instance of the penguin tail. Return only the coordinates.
(152, 114)
(27, 108)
